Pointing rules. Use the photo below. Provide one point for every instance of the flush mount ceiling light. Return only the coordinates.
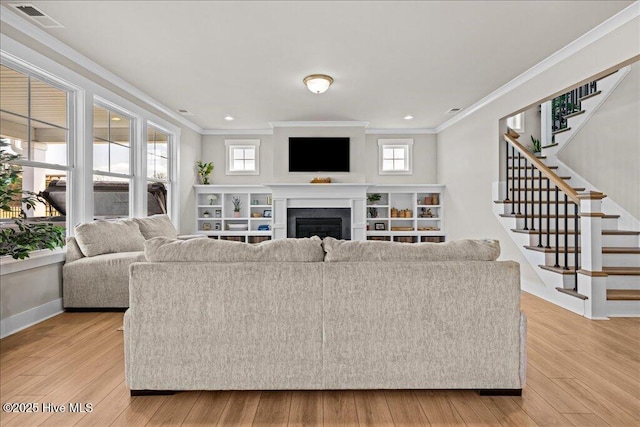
(318, 83)
(228, 118)
(408, 117)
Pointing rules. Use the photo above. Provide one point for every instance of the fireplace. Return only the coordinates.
(321, 222)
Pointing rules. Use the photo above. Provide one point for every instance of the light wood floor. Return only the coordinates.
(580, 372)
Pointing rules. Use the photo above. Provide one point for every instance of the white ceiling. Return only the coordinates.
(388, 59)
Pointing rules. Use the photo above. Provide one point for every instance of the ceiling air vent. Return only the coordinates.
(36, 15)
(185, 112)
(453, 110)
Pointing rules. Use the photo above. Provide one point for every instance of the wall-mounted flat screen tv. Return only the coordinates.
(318, 154)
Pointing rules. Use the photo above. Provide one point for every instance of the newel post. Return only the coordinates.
(592, 281)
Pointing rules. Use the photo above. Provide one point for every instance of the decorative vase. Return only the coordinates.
(236, 214)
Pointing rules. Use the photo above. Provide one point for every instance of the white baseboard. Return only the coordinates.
(20, 321)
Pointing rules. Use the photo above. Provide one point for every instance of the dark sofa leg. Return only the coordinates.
(151, 392)
(500, 392)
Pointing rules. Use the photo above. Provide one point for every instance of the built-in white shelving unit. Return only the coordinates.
(216, 218)
(406, 213)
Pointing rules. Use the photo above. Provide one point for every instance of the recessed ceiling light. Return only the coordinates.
(228, 118)
(453, 110)
(408, 117)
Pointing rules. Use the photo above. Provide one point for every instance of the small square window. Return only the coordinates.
(395, 156)
(516, 122)
(243, 156)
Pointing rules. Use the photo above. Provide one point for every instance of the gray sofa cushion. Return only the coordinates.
(161, 249)
(457, 250)
(156, 226)
(106, 237)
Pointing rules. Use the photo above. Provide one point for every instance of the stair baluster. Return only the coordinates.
(566, 234)
(540, 208)
(533, 206)
(526, 195)
(506, 170)
(576, 243)
(519, 183)
(548, 213)
(557, 264)
(513, 181)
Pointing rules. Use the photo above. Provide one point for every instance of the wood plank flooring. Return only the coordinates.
(580, 373)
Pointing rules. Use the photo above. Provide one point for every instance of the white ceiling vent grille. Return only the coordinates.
(36, 15)
(453, 110)
(185, 112)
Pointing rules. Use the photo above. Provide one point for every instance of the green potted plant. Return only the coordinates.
(19, 238)
(372, 198)
(204, 170)
(536, 147)
(237, 204)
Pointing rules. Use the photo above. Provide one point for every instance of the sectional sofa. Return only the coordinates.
(210, 314)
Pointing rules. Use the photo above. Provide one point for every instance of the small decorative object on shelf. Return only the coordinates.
(321, 180)
(218, 213)
(429, 214)
(206, 214)
(237, 204)
(266, 213)
(256, 215)
(379, 226)
(206, 226)
(213, 199)
(372, 198)
(269, 200)
(204, 170)
(394, 213)
(264, 227)
(217, 227)
(255, 202)
(401, 228)
(373, 212)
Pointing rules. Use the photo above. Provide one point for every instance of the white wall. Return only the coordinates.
(468, 160)
(190, 146)
(606, 151)
(364, 157)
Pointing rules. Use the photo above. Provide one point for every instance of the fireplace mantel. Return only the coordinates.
(306, 195)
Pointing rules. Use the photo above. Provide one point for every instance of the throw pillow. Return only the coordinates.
(457, 250)
(106, 237)
(156, 226)
(161, 249)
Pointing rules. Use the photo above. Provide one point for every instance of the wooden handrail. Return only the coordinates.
(548, 173)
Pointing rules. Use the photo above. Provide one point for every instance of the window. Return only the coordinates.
(158, 181)
(34, 121)
(112, 137)
(243, 157)
(516, 122)
(394, 157)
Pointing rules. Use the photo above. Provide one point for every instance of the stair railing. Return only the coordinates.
(569, 103)
(553, 184)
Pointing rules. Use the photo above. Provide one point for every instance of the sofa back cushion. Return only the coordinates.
(457, 250)
(156, 226)
(106, 237)
(161, 249)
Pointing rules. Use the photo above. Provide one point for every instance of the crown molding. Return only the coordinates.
(319, 124)
(616, 21)
(237, 132)
(9, 17)
(404, 131)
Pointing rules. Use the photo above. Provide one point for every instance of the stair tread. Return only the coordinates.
(572, 293)
(550, 145)
(552, 216)
(577, 113)
(623, 294)
(543, 189)
(604, 232)
(530, 167)
(541, 157)
(560, 131)
(558, 270)
(536, 202)
(591, 95)
(622, 271)
(605, 249)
